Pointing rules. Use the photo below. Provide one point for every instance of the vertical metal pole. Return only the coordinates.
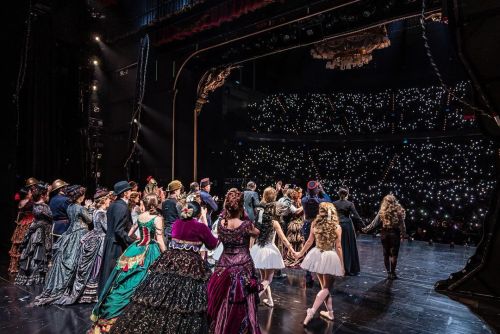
(195, 145)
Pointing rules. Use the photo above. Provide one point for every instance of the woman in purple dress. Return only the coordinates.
(233, 288)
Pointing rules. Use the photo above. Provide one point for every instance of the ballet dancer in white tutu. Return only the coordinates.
(325, 259)
(266, 256)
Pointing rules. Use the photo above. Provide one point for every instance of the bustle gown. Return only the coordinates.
(173, 298)
(233, 288)
(296, 239)
(64, 265)
(36, 248)
(83, 288)
(24, 220)
(130, 270)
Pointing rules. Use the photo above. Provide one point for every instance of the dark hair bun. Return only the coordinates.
(191, 210)
(234, 201)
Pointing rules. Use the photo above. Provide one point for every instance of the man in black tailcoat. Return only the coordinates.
(119, 222)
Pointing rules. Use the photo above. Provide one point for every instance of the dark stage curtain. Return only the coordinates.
(50, 119)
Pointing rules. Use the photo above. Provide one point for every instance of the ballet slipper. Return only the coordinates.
(327, 314)
(309, 316)
(269, 300)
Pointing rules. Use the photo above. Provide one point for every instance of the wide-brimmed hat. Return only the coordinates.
(31, 182)
(205, 182)
(121, 187)
(58, 184)
(100, 193)
(174, 185)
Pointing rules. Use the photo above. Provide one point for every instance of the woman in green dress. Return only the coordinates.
(131, 268)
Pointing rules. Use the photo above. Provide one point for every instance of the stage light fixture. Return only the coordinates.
(94, 87)
(97, 38)
(135, 120)
(95, 62)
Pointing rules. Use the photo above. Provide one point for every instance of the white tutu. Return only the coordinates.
(267, 257)
(214, 254)
(322, 262)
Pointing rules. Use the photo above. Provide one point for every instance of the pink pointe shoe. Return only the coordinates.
(309, 316)
(327, 315)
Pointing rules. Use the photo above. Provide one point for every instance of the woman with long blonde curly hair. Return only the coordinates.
(325, 259)
(392, 216)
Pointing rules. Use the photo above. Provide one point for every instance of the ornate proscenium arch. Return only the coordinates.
(209, 82)
(197, 52)
(411, 12)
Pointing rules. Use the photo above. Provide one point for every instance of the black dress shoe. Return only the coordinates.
(392, 276)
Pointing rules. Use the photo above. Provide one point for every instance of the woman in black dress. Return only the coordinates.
(347, 214)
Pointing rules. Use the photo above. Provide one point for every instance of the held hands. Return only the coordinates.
(296, 255)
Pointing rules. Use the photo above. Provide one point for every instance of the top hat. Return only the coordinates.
(57, 184)
(31, 181)
(121, 187)
(174, 185)
(205, 182)
(312, 185)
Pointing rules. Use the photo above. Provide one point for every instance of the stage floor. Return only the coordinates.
(367, 303)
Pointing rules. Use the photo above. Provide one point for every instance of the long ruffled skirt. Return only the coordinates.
(233, 298)
(171, 300)
(35, 254)
(83, 288)
(296, 238)
(17, 239)
(130, 271)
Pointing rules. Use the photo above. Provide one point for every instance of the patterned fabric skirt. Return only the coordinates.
(233, 298)
(171, 300)
(296, 238)
(17, 238)
(132, 269)
(83, 287)
(36, 251)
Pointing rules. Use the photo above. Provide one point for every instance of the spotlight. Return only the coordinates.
(97, 38)
(133, 141)
(135, 120)
(95, 62)
(94, 87)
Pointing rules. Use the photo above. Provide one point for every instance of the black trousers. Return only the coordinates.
(391, 241)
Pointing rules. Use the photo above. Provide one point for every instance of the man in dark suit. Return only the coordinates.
(119, 222)
(207, 200)
(251, 200)
(58, 205)
(171, 208)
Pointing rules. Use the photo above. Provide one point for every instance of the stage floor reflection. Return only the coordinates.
(367, 303)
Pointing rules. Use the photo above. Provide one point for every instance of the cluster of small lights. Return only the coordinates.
(448, 181)
(344, 113)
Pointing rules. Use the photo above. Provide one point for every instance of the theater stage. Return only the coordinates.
(367, 303)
